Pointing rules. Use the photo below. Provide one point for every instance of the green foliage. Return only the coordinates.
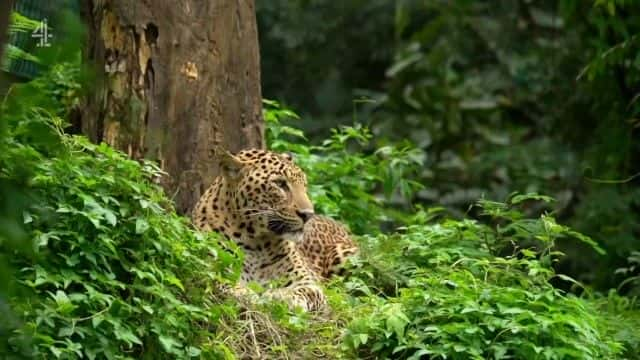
(105, 267)
(26, 136)
(622, 318)
(356, 41)
(19, 24)
(468, 85)
(115, 273)
(116, 263)
(631, 272)
(345, 181)
(444, 293)
(500, 96)
(102, 267)
(463, 289)
(29, 115)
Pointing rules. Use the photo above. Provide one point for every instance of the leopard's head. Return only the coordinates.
(267, 193)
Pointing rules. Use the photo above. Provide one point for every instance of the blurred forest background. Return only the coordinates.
(500, 96)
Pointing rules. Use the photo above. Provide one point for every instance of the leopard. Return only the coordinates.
(260, 201)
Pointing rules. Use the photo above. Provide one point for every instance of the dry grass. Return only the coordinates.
(255, 333)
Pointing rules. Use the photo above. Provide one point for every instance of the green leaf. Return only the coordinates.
(126, 335)
(168, 343)
(520, 198)
(175, 281)
(141, 226)
(56, 352)
(193, 351)
(110, 217)
(96, 321)
(396, 320)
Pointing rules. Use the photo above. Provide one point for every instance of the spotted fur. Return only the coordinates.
(260, 201)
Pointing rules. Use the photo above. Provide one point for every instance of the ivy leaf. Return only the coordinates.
(168, 343)
(96, 320)
(141, 226)
(126, 335)
(175, 281)
(110, 217)
(396, 320)
(193, 351)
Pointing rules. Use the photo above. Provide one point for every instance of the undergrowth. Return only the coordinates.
(110, 271)
(441, 288)
(438, 290)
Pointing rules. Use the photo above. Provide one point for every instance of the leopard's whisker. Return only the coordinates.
(256, 211)
(265, 212)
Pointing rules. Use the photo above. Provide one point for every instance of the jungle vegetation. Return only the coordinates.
(485, 154)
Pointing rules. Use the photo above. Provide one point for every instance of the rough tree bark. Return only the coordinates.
(179, 79)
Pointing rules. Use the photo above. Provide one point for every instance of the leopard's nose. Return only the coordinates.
(305, 214)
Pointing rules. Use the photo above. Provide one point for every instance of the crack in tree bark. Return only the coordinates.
(178, 80)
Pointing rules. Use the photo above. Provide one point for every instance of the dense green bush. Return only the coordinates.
(114, 272)
(442, 288)
(445, 294)
(119, 274)
(345, 181)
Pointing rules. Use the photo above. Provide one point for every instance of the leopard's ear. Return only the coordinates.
(287, 156)
(230, 165)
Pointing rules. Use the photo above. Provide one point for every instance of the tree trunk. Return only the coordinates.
(179, 78)
(5, 12)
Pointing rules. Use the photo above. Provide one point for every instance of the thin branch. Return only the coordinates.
(621, 181)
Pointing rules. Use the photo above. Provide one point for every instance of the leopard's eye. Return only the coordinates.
(281, 183)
